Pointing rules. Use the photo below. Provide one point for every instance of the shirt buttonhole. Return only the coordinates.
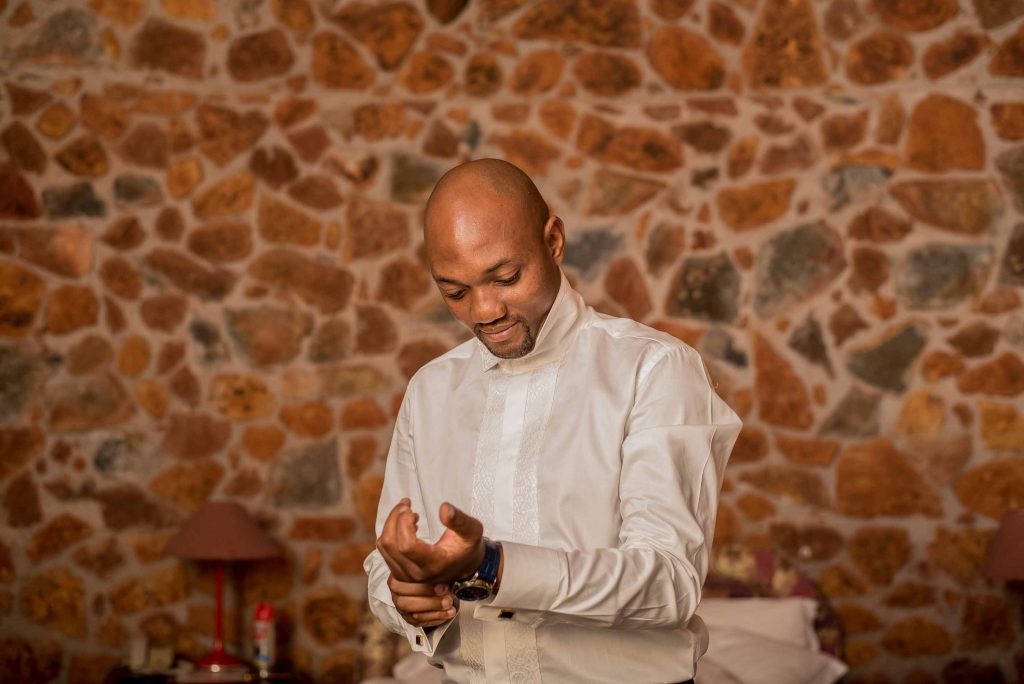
(506, 614)
(419, 640)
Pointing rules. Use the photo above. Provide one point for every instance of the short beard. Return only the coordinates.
(527, 345)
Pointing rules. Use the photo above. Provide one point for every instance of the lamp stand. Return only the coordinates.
(219, 659)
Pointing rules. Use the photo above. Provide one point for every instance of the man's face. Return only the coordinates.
(498, 276)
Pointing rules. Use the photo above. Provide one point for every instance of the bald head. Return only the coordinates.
(488, 185)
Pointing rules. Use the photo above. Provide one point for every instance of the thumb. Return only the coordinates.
(462, 524)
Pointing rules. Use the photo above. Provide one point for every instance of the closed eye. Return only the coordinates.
(454, 295)
(508, 281)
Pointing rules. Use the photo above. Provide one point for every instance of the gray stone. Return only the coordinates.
(471, 136)
(854, 183)
(412, 178)
(856, 415)
(137, 191)
(23, 370)
(885, 365)
(307, 478)
(707, 288)
(1012, 271)
(808, 341)
(208, 337)
(67, 36)
(586, 252)
(122, 455)
(718, 343)
(939, 276)
(1011, 165)
(78, 199)
(331, 342)
(796, 265)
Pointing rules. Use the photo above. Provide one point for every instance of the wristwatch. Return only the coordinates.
(481, 584)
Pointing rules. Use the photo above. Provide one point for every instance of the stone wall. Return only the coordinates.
(211, 286)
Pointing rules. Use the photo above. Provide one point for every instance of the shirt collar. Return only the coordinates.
(560, 326)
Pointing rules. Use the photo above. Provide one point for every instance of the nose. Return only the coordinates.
(486, 306)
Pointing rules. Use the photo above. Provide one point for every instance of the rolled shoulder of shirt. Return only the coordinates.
(421, 640)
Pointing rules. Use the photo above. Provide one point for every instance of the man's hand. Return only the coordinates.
(422, 605)
(457, 554)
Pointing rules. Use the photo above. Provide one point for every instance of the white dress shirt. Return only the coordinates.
(596, 460)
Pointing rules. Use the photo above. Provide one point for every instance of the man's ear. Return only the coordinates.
(554, 238)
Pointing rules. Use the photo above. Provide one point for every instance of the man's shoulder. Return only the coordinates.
(445, 365)
(629, 334)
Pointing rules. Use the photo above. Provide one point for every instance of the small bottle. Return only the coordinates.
(263, 638)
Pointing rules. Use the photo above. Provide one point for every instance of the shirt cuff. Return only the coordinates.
(529, 585)
(426, 642)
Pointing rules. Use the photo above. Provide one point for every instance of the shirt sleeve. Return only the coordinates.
(400, 480)
(678, 439)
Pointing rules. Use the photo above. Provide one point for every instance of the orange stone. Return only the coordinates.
(993, 488)
(528, 150)
(785, 48)
(923, 413)
(837, 581)
(221, 242)
(751, 446)
(84, 156)
(685, 60)
(946, 56)
(348, 560)
(362, 452)
(387, 30)
(229, 196)
(944, 136)
(152, 396)
(308, 420)
(1008, 120)
(940, 364)
(241, 397)
(189, 485)
(624, 283)
(425, 72)
(367, 496)
(874, 479)
(483, 75)
(195, 435)
(613, 23)
(56, 121)
(263, 442)
(161, 587)
(55, 599)
(879, 552)
(754, 205)
(121, 278)
(1002, 376)
(183, 176)
(807, 451)
(329, 615)
(916, 15)
(321, 528)
(799, 486)
(960, 553)
(755, 507)
(56, 536)
(643, 149)
(1002, 426)
(363, 413)
(71, 308)
(280, 222)
(879, 57)
(537, 72)
(134, 356)
(915, 637)
(782, 397)
(105, 117)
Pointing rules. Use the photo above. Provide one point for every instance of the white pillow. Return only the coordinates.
(789, 620)
(755, 660)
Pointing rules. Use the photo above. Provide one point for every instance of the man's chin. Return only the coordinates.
(509, 349)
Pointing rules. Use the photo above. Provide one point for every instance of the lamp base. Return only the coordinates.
(219, 660)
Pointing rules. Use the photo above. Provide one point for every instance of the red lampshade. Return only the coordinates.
(221, 530)
(1006, 550)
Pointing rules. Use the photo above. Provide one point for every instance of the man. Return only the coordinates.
(590, 449)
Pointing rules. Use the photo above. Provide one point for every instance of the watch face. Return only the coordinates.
(475, 591)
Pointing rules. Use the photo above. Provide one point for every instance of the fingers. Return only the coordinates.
(463, 524)
(429, 619)
(403, 588)
(422, 605)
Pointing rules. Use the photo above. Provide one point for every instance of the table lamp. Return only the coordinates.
(220, 531)
(1006, 550)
